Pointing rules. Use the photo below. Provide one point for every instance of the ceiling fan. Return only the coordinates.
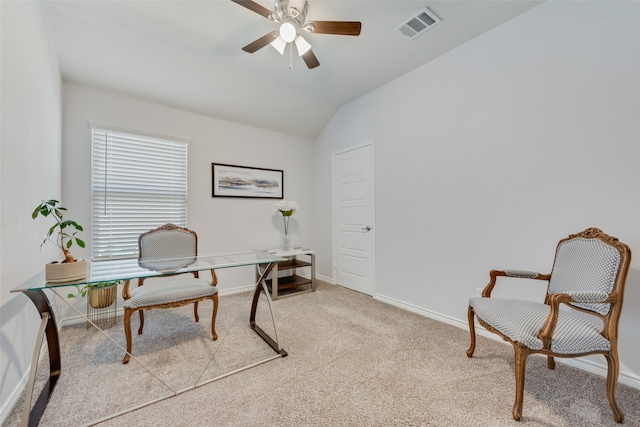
(292, 19)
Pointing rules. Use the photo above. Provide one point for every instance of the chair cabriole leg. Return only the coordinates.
(213, 317)
(612, 381)
(141, 312)
(520, 360)
(195, 311)
(472, 331)
(127, 334)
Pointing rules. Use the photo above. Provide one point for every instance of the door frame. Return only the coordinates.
(334, 208)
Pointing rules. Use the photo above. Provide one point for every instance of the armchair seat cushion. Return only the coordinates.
(168, 291)
(521, 321)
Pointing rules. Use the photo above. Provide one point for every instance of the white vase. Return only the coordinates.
(286, 244)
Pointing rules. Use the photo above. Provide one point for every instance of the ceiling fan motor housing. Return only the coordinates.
(296, 9)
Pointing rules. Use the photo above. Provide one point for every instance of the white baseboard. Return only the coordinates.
(329, 280)
(14, 397)
(625, 378)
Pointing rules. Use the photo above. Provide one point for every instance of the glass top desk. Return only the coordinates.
(129, 269)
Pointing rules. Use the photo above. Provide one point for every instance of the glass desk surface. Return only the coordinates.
(214, 359)
(132, 268)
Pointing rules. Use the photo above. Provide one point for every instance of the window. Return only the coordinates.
(138, 182)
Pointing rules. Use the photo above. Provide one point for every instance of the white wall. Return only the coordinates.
(490, 154)
(30, 137)
(222, 224)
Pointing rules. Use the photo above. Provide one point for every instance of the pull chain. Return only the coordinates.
(290, 56)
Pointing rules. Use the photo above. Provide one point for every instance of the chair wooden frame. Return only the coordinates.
(126, 294)
(609, 330)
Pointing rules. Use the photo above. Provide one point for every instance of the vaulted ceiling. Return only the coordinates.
(187, 54)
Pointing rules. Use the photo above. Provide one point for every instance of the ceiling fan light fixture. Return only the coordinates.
(279, 44)
(302, 45)
(288, 31)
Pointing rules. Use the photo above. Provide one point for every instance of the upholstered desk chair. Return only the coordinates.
(162, 243)
(588, 275)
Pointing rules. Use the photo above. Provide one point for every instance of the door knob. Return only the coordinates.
(367, 228)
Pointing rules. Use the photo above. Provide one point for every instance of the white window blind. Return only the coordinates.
(138, 182)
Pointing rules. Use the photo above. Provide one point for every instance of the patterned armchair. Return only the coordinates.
(167, 248)
(588, 275)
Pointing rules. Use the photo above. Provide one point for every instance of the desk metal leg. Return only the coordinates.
(274, 283)
(48, 326)
(262, 285)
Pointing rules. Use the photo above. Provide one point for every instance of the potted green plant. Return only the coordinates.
(62, 234)
(100, 295)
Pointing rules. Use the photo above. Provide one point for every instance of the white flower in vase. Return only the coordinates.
(285, 209)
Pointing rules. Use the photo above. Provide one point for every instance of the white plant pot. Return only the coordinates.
(61, 272)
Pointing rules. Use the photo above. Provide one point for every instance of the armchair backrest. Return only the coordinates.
(168, 241)
(590, 261)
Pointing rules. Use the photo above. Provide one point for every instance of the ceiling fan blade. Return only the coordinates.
(310, 59)
(255, 7)
(344, 28)
(261, 42)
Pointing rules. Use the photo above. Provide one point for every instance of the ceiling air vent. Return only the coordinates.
(418, 23)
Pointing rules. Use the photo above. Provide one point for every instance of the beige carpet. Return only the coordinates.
(353, 361)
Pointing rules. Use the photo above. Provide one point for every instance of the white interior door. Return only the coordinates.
(353, 215)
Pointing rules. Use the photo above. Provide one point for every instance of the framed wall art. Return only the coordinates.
(244, 181)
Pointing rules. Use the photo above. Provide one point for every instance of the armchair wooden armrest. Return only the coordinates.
(126, 294)
(592, 297)
(214, 278)
(554, 300)
(520, 274)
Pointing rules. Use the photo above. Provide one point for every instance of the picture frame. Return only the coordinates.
(246, 182)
